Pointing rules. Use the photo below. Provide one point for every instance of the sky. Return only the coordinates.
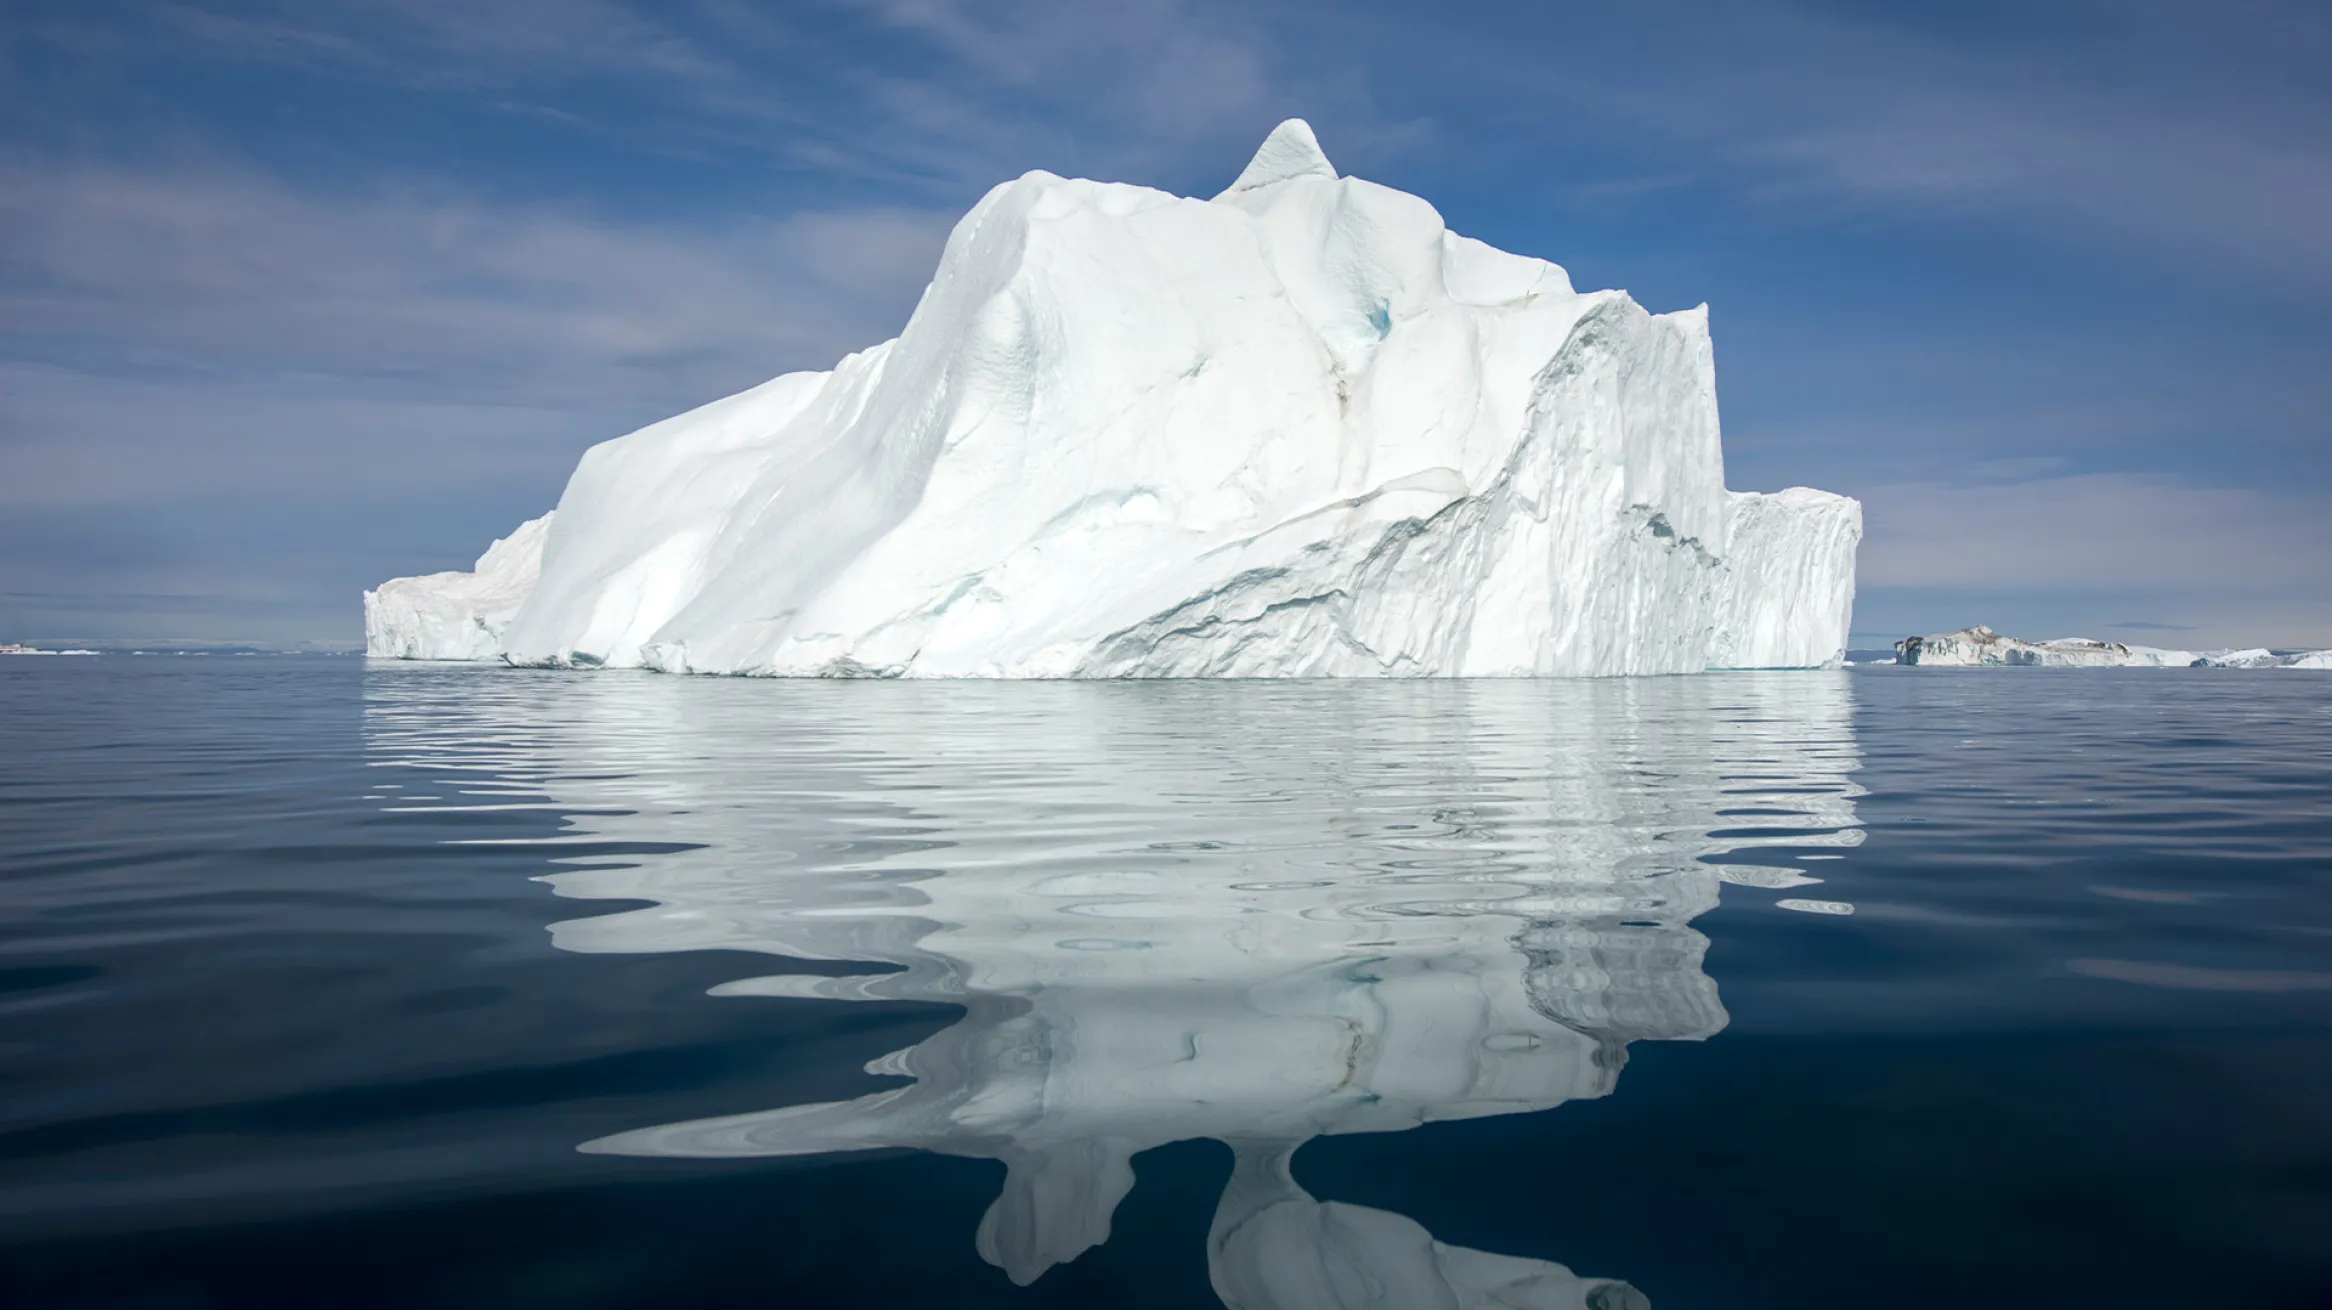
(297, 295)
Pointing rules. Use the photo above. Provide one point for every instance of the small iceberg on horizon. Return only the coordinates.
(1980, 646)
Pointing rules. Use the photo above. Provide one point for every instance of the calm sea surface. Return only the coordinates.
(325, 983)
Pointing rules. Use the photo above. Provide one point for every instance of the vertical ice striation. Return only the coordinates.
(1300, 429)
(1789, 593)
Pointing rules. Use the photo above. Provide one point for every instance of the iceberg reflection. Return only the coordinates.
(1256, 912)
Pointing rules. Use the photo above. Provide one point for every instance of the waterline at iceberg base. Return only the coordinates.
(1300, 429)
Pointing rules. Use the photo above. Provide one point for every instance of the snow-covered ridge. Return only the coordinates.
(1979, 645)
(1300, 429)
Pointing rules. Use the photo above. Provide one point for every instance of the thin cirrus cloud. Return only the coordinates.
(913, 94)
(378, 376)
(270, 359)
(2192, 131)
(227, 268)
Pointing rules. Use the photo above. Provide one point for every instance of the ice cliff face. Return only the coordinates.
(1298, 429)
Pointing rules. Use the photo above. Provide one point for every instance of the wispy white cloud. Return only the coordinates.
(215, 270)
(443, 42)
(899, 92)
(193, 351)
(2194, 133)
(2106, 531)
(113, 444)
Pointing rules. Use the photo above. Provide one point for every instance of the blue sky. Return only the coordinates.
(296, 295)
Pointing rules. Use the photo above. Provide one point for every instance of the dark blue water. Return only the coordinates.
(327, 984)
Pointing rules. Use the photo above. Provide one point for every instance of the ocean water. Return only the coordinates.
(325, 983)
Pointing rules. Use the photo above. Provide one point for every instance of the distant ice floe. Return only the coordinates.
(1970, 647)
(1804, 906)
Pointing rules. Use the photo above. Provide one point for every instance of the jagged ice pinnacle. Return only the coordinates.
(1300, 429)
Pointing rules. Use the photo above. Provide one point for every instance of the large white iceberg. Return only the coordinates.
(1298, 429)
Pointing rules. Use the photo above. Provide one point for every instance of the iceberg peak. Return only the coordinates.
(1291, 151)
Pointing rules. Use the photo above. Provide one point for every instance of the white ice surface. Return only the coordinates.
(1298, 429)
(1980, 645)
(2259, 658)
(454, 615)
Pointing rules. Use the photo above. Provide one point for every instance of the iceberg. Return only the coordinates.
(2257, 658)
(1979, 645)
(1298, 429)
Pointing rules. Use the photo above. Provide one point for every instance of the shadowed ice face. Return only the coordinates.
(1256, 912)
